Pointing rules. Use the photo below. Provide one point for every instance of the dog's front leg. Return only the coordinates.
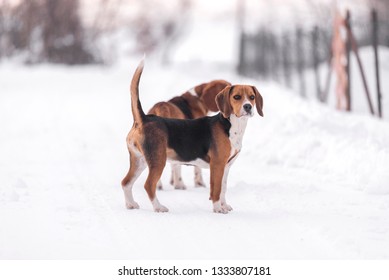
(217, 174)
(224, 189)
(176, 177)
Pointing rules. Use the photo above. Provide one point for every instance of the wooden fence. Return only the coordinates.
(285, 56)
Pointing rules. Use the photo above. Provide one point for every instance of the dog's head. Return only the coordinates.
(239, 100)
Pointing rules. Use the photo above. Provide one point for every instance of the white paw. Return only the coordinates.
(220, 210)
(217, 208)
(180, 186)
(161, 209)
(132, 205)
(159, 185)
(226, 206)
(158, 207)
(199, 184)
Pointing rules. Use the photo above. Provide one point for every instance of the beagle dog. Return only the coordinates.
(193, 104)
(212, 142)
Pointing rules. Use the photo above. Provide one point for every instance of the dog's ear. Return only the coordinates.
(258, 101)
(209, 94)
(223, 101)
(199, 89)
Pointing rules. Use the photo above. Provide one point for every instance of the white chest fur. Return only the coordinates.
(238, 126)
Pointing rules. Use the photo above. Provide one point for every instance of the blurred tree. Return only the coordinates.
(158, 26)
(45, 30)
(63, 33)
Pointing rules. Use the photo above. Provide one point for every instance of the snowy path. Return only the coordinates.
(310, 183)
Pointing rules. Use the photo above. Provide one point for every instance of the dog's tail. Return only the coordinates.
(136, 106)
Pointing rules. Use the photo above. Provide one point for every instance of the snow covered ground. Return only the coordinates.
(310, 183)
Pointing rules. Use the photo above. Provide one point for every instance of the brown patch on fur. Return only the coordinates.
(154, 151)
(207, 93)
(171, 154)
(199, 106)
(196, 106)
(167, 110)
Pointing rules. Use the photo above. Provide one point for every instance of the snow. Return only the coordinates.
(310, 182)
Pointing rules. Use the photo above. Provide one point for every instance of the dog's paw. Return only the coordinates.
(159, 185)
(199, 184)
(220, 211)
(218, 208)
(226, 206)
(180, 186)
(132, 205)
(158, 207)
(161, 209)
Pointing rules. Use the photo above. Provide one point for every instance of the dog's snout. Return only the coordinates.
(247, 107)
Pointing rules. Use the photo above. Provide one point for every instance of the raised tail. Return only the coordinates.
(136, 107)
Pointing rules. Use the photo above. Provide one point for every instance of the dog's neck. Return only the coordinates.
(238, 126)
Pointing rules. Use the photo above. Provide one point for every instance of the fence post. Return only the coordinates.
(242, 38)
(274, 55)
(286, 58)
(348, 63)
(354, 47)
(324, 96)
(315, 56)
(300, 60)
(376, 60)
(242, 54)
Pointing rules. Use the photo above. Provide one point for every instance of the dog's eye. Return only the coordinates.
(252, 97)
(237, 97)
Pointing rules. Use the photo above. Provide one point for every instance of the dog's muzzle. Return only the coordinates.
(247, 108)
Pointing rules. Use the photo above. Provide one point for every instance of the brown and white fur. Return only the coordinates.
(212, 142)
(195, 103)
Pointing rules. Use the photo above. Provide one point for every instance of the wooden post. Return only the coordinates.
(242, 54)
(300, 60)
(348, 63)
(275, 57)
(264, 54)
(354, 47)
(326, 91)
(376, 60)
(315, 57)
(286, 58)
(242, 39)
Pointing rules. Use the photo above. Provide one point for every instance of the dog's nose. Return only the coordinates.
(247, 107)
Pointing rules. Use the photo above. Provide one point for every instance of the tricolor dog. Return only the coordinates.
(212, 142)
(193, 104)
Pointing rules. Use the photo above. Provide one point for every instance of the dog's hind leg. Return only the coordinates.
(199, 182)
(137, 165)
(155, 171)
